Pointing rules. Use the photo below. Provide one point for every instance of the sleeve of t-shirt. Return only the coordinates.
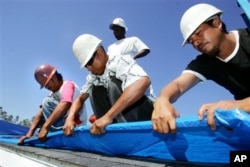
(202, 67)
(68, 92)
(91, 79)
(139, 45)
(126, 69)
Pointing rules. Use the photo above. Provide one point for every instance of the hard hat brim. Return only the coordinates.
(111, 26)
(91, 53)
(49, 78)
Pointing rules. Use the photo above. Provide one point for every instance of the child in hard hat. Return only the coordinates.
(224, 59)
(119, 89)
(53, 111)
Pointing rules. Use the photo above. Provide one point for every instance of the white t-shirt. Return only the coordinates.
(127, 46)
(123, 68)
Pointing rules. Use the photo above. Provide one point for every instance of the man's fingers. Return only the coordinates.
(172, 125)
(154, 125)
(208, 110)
(177, 115)
(68, 131)
(165, 126)
(21, 140)
(96, 130)
(202, 112)
(43, 138)
(158, 127)
(211, 119)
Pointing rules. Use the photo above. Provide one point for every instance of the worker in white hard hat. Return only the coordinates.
(54, 108)
(119, 89)
(132, 46)
(128, 46)
(224, 58)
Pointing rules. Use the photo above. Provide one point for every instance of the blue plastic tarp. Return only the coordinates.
(194, 141)
(10, 132)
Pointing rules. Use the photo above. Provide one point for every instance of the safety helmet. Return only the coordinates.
(118, 22)
(194, 17)
(84, 47)
(44, 73)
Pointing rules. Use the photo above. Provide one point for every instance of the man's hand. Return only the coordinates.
(209, 109)
(98, 127)
(68, 127)
(21, 140)
(43, 134)
(163, 116)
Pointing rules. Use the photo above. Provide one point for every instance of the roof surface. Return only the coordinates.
(68, 158)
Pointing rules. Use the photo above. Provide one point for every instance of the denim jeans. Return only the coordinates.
(49, 104)
(102, 100)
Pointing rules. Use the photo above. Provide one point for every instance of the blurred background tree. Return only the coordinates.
(14, 119)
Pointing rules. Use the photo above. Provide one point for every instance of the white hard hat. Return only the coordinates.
(84, 47)
(118, 22)
(194, 17)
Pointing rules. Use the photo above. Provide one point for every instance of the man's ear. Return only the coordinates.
(217, 23)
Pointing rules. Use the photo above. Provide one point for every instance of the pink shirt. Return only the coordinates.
(66, 93)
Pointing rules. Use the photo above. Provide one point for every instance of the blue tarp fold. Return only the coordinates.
(194, 141)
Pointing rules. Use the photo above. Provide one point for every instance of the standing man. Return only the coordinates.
(54, 109)
(119, 89)
(131, 46)
(224, 59)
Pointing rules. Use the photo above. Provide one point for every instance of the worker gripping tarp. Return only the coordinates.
(193, 142)
(10, 132)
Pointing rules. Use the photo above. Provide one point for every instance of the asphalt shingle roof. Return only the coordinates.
(69, 158)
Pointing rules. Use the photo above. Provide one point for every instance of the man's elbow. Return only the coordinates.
(146, 81)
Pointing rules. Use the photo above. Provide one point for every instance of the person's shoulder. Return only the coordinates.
(202, 58)
(113, 45)
(133, 37)
(69, 82)
(244, 31)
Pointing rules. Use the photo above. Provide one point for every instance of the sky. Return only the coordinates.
(42, 32)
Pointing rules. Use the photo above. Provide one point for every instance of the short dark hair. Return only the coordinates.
(59, 76)
(224, 27)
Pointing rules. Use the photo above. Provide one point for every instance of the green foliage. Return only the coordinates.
(10, 118)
